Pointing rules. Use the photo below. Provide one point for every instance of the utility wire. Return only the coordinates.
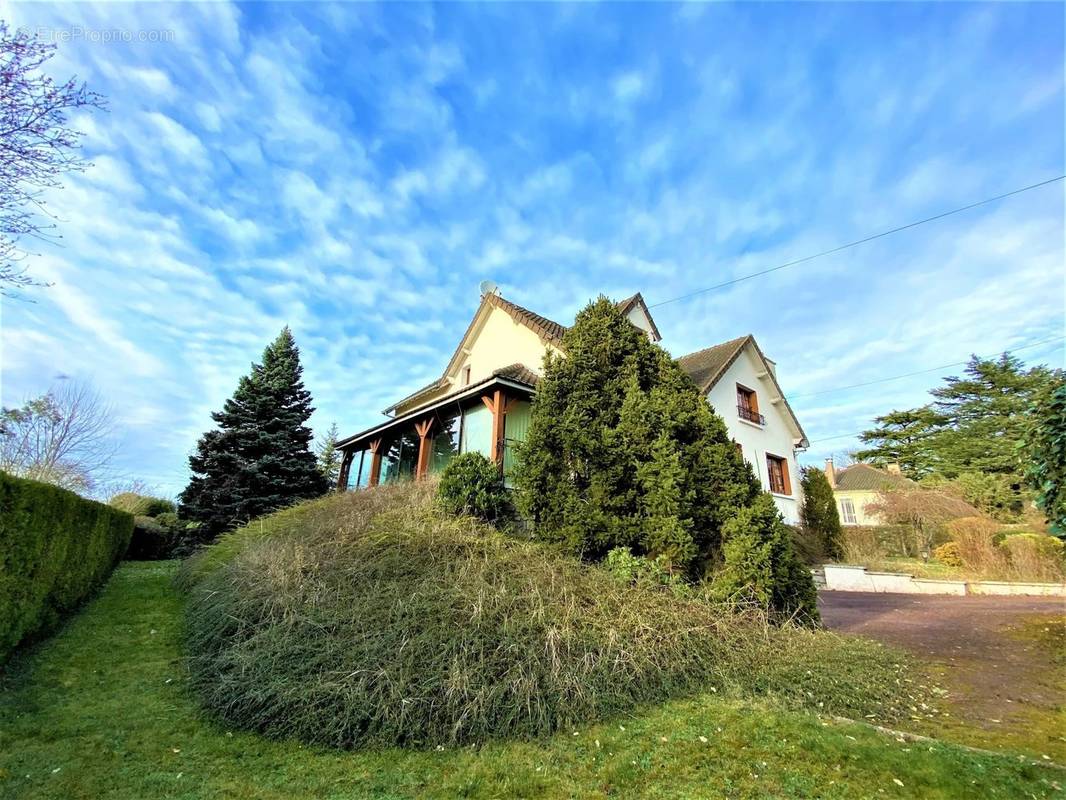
(894, 377)
(920, 371)
(857, 242)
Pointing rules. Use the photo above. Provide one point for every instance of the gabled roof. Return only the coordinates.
(864, 477)
(549, 330)
(637, 300)
(706, 367)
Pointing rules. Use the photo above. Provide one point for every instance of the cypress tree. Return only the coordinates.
(623, 451)
(820, 517)
(258, 459)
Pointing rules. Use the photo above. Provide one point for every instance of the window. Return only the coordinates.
(445, 441)
(777, 469)
(466, 376)
(739, 449)
(477, 431)
(847, 512)
(515, 427)
(748, 405)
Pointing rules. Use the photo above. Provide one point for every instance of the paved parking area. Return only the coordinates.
(1000, 659)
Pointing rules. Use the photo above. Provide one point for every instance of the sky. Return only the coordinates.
(355, 171)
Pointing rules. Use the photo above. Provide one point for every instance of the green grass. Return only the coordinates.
(101, 711)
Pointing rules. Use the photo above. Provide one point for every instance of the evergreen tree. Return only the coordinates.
(1044, 449)
(623, 451)
(820, 516)
(975, 425)
(903, 437)
(259, 457)
(328, 456)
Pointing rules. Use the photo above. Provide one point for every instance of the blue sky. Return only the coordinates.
(354, 171)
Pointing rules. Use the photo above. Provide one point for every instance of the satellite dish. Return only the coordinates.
(487, 287)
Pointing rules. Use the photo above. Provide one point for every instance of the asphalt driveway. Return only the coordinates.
(1001, 659)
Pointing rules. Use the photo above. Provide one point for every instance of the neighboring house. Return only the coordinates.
(857, 486)
(481, 402)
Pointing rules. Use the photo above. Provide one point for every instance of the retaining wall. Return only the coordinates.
(848, 578)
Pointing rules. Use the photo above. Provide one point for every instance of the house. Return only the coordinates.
(858, 486)
(481, 402)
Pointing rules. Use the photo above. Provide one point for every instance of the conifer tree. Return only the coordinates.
(258, 459)
(328, 456)
(819, 513)
(623, 451)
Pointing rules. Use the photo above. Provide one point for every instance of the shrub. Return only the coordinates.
(948, 554)
(644, 571)
(56, 548)
(153, 539)
(760, 566)
(820, 518)
(976, 538)
(862, 545)
(1034, 557)
(471, 484)
(141, 505)
(373, 618)
(623, 450)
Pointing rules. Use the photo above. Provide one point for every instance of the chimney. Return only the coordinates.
(893, 468)
(831, 473)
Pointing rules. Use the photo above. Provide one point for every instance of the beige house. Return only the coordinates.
(857, 486)
(481, 402)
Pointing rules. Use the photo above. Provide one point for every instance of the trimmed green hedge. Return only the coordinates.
(55, 549)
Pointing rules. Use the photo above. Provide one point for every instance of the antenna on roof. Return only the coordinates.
(488, 287)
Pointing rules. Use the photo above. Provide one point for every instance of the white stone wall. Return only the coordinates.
(848, 578)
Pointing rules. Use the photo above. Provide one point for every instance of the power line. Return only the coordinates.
(920, 371)
(857, 242)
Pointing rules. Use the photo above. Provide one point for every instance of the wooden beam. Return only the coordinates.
(346, 465)
(498, 415)
(375, 463)
(424, 444)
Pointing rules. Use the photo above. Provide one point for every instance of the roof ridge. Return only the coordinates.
(715, 346)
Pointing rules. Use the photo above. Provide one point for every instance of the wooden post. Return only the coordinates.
(499, 405)
(375, 462)
(422, 429)
(346, 465)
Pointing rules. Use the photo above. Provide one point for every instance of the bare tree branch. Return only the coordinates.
(65, 437)
(36, 148)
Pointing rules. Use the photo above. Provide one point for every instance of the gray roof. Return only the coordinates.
(867, 478)
(706, 366)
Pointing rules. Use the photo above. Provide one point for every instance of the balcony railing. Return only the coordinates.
(751, 416)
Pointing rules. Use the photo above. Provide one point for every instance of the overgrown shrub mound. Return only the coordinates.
(373, 618)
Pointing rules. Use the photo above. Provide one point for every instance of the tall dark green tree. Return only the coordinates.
(974, 424)
(904, 438)
(259, 458)
(820, 516)
(623, 451)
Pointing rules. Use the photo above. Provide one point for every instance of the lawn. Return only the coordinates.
(100, 711)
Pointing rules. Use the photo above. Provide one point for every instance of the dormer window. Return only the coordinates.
(466, 376)
(748, 405)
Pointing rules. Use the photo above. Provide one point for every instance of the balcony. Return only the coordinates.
(746, 413)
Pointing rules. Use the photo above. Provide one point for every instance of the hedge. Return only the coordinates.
(56, 548)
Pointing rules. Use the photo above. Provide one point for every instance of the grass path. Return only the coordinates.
(100, 712)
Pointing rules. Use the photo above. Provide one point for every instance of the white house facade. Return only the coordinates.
(741, 384)
(482, 402)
